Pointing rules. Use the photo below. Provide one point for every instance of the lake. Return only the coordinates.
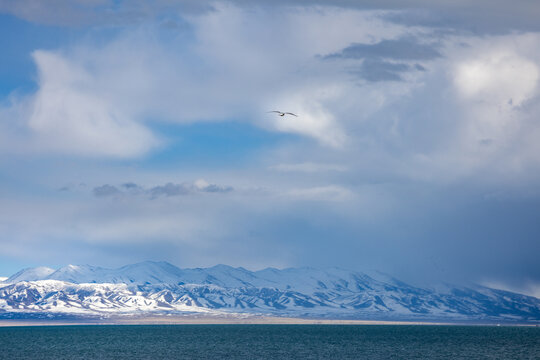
(269, 341)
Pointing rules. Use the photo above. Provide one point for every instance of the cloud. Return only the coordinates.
(441, 164)
(105, 190)
(384, 60)
(201, 186)
(103, 99)
(78, 13)
(57, 12)
(498, 77)
(494, 82)
(114, 94)
(314, 118)
(381, 71)
(529, 288)
(130, 186)
(480, 17)
(68, 114)
(204, 186)
(323, 193)
(169, 189)
(407, 48)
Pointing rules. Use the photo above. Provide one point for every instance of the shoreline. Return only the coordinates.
(255, 320)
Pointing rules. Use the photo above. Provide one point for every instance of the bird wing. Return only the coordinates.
(279, 112)
(292, 114)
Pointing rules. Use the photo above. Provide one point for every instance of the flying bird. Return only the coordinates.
(283, 113)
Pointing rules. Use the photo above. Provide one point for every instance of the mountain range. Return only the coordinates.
(160, 288)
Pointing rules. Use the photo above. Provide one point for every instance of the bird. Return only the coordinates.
(281, 113)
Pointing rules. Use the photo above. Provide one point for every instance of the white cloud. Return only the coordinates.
(497, 77)
(496, 83)
(271, 59)
(314, 119)
(99, 100)
(69, 115)
(94, 100)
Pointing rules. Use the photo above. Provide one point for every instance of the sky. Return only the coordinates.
(139, 130)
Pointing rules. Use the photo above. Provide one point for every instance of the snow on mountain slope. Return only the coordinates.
(310, 280)
(30, 274)
(87, 299)
(147, 272)
(142, 273)
(306, 280)
(331, 293)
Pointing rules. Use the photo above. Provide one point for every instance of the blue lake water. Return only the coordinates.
(269, 342)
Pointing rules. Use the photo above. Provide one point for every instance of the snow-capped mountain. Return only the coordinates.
(31, 274)
(159, 287)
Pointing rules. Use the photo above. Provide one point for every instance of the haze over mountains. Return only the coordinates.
(162, 288)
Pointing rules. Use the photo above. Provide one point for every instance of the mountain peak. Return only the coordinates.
(223, 267)
(30, 274)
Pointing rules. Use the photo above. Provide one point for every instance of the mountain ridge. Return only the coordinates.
(162, 288)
